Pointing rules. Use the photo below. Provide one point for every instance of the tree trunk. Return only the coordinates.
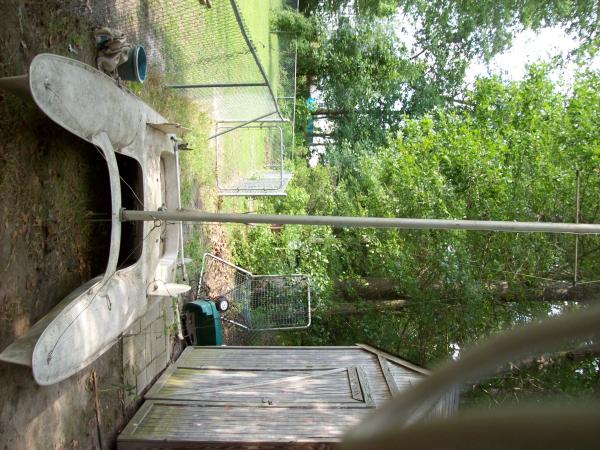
(368, 288)
(354, 308)
(565, 291)
(379, 288)
(328, 112)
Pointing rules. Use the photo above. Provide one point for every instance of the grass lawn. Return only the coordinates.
(258, 15)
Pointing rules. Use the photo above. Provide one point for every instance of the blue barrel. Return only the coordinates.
(134, 69)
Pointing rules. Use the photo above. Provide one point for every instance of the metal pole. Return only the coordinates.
(363, 222)
(241, 125)
(263, 121)
(576, 265)
(221, 85)
(250, 45)
(248, 193)
(178, 181)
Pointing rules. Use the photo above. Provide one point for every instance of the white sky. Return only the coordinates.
(529, 47)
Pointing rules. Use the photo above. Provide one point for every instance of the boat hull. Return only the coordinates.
(88, 322)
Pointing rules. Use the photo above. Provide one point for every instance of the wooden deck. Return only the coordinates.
(266, 397)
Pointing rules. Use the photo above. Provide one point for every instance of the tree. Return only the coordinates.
(513, 155)
(486, 27)
(371, 78)
(361, 8)
(362, 78)
(510, 154)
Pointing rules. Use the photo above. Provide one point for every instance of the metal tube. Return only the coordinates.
(262, 121)
(577, 199)
(178, 182)
(363, 222)
(215, 85)
(228, 130)
(248, 193)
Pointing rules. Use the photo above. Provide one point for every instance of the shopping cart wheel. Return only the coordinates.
(222, 304)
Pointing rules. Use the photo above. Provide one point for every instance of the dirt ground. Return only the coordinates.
(49, 182)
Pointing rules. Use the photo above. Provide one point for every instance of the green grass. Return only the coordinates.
(242, 154)
(258, 15)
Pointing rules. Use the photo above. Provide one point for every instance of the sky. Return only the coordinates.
(530, 47)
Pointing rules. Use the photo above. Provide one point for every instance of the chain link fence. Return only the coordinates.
(225, 56)
(252, 159)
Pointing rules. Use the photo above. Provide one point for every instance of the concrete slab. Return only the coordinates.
(141, 381)
(147, 353)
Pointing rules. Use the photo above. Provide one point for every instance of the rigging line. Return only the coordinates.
(474, 265)
(534, 276)
(122, 179)
(525, 275)
(91, 300)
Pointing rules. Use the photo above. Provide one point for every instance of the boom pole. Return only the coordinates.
(361, 222)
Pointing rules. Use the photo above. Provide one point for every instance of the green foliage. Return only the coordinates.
(364, 77)
(370, 77)
(293, 249)
(290, 21)
(553, 376)
(512, 155)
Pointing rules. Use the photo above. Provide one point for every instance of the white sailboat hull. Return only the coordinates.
(88, 321)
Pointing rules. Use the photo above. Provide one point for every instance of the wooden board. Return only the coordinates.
(324, 388)
(171, 423)
(301, 358)
(264, 397)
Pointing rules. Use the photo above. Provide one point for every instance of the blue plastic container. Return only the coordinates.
(134, 69)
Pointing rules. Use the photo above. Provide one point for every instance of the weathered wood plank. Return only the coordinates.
(266, 397)
(251, 357)
(135, 422)
(174, 445)
(272, 388)
(293, 379)
(395, 359)
(387, 374)
(185, 423)
(364, 385)
(162, 381)
(204, 358)
(355, 384)
(266, 368)
(273, 347)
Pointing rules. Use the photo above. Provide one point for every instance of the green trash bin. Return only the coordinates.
(203, 323)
